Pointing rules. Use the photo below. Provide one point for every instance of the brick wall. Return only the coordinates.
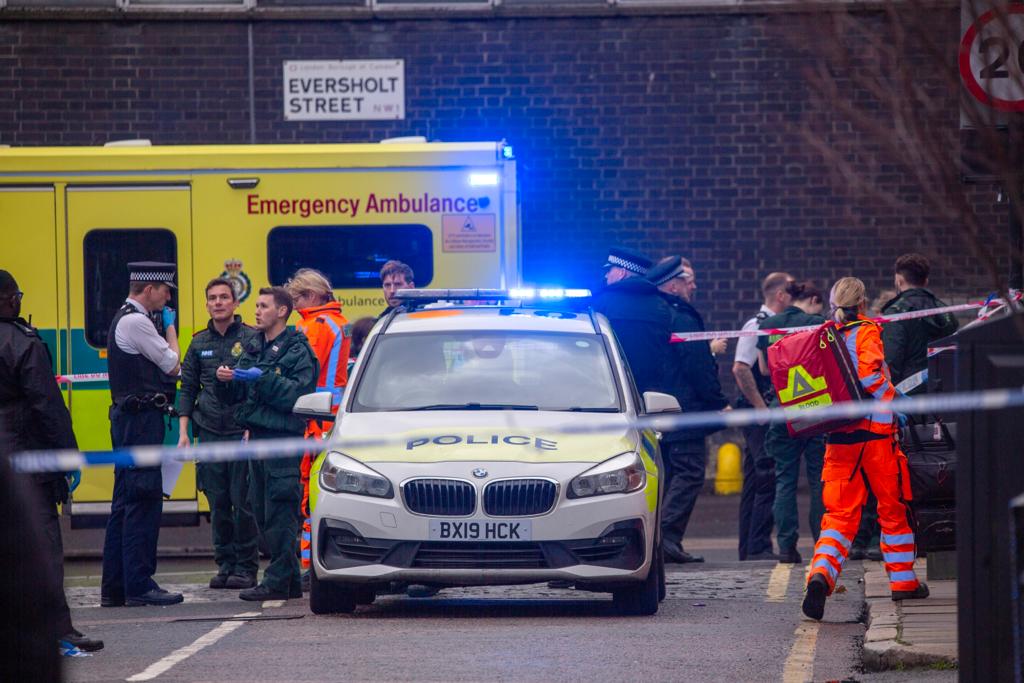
(666, 133)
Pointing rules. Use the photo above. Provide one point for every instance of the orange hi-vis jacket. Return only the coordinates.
(864, 344)
(324, 327)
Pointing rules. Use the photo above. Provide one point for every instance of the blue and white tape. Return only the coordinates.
(151, 456)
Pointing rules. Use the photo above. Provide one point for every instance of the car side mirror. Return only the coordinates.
(656, 402)
(316, 405)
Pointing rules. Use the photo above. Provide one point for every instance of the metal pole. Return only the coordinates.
(1016, 279)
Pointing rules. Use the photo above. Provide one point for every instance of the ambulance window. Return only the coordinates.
(350, 256)
(107, 253)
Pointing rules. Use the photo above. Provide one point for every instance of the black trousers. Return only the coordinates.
(129, 547)
(48, 525)
(686, 461)
(275, 494)
(758, 494)
(226, 485)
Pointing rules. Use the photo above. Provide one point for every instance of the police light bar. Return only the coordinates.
(516, 293)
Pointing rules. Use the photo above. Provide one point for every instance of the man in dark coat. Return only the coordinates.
(33, 416)
(639, 316)
(693, 380)
(906, 342)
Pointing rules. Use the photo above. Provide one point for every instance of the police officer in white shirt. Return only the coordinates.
(758, 495)
(142, 359)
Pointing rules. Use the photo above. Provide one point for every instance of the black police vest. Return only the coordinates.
(762, 382)
(133, 374)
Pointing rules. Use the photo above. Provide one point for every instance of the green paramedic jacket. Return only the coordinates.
(792, 316)
(197, 398)
(289, 370)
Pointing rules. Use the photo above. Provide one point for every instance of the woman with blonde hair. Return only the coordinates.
(867, 449)
(325, 328)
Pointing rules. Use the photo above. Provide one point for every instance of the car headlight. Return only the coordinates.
(342, 474)
(621, 474)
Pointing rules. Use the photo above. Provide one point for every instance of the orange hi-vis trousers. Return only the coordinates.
(314, 430)
(306, 541)
(844, 494)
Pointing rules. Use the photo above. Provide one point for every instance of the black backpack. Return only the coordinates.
(931, 458)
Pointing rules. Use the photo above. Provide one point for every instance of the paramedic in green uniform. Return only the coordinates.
(274, 370)
(785, 450)
(226, 484)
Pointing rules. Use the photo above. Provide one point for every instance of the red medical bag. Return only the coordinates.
(813, 369)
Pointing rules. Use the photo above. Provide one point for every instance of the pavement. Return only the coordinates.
(722, 620)
(909, 633)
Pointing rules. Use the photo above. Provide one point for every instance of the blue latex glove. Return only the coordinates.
(902, 420)
(168, 316)
(74, 479)
(247, 375)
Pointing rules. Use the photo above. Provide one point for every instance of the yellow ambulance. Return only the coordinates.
(71, 219)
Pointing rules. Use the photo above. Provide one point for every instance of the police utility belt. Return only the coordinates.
(138, 403)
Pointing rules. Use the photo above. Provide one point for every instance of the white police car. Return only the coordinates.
(486, 438)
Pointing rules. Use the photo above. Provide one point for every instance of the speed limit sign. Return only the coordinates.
(992, 58)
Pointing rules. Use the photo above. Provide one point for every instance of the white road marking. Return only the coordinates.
(164, 665)
(267, 604)
(799, 666)
(778, 583)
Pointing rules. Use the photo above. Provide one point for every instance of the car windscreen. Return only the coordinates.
(487, 371)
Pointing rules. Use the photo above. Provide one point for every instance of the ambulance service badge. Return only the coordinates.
(240, 282)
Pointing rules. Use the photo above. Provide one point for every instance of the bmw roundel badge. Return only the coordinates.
(479, 473)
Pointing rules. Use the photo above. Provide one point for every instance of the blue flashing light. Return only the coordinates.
(547, 293)
(507, 152)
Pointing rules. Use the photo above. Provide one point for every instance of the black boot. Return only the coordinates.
(82, 642)
(673, 553)
(790, 556)
(262, 592)
(241, 581)
(918, 593)
(814, 600)
(219, 581)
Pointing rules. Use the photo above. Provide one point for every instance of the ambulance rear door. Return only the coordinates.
(108, 227)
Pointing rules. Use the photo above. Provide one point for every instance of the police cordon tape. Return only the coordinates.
(151, 456)
(677, 337)
(86, 377)
(998, 304)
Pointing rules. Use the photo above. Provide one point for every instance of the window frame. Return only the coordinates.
(87, 327)
(418, 275)
(621, 406)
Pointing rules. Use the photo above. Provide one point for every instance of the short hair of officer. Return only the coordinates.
(153, 295)
(221, 301)
(394, 276)
(914, 269)
(221, 282)
(273, 305)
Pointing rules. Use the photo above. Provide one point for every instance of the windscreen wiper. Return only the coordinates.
(580, 409)
(474, 406)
